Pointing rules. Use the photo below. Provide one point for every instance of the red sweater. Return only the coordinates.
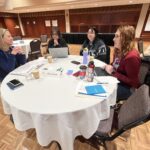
(129, 68)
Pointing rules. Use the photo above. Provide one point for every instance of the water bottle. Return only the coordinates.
(85, 56)
(82, 71)
(90, 71)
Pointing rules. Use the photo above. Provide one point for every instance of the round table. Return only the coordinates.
(52, 106)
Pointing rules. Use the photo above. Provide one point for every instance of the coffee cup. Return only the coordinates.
(49, 58)
(36, 74)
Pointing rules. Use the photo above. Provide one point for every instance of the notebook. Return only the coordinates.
(95, 89)
(59, 52)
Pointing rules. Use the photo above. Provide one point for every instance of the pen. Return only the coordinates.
(102, 83)
(17, 74)
(93, 94)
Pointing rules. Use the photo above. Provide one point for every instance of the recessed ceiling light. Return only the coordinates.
(130, 1)
(96, 4)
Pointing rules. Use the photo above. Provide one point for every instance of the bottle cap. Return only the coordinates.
(83, 67)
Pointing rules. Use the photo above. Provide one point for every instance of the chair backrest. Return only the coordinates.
(135, 107)
(105, 55)
(43, 38)
(35, 45)
(140, 46)
(143, 72)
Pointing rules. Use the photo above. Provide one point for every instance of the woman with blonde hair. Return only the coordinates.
(10, 57)
(126, 64)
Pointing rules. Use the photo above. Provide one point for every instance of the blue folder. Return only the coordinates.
(95, 89)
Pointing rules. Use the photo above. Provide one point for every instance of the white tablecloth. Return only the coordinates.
(51, 106)
(25, 44)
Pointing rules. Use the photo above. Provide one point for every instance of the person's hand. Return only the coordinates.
(56, 42)
(17, 50)
(109, 69)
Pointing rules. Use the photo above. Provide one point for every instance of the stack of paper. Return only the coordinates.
(26, 69)
(106, 80)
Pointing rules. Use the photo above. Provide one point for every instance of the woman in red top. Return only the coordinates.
(126, 64)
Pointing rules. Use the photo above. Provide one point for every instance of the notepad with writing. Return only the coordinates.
(95, 89)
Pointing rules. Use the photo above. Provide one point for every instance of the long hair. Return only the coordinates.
(3, 46)
(127, 36)
(94, 30)
(56, 31)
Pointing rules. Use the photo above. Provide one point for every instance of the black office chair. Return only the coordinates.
(135, 111)
(143, 72)
(43, 38)
(35, 49)
(105, 56)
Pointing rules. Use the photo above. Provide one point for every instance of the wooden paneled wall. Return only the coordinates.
(11, 23)
(2, 23)
(106, 19)
(34, 23)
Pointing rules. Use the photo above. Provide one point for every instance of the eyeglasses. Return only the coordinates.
(117, 36)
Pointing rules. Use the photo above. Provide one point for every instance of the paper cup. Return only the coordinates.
(36, 74)
(49, 58)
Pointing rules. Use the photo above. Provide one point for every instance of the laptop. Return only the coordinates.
(59, 52)
(100, 72)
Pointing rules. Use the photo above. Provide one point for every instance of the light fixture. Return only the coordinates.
(17, 27)
(130, 1)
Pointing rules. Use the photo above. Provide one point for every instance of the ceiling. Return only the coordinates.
(25, 6)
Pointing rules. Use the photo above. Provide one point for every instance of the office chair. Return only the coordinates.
(105, 56)
(35, 48)
(135, 111)
(143, 72)
(43, 38)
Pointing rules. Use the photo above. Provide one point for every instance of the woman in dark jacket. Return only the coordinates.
(10, 57)
(57, 41)
(96, 47)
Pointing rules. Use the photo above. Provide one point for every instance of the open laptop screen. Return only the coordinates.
(59, 52)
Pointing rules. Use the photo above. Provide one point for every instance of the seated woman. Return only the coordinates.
(96, 47)
(126, 64)
(10, 57)
(56, 41)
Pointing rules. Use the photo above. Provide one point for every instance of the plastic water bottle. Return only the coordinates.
(85, 56)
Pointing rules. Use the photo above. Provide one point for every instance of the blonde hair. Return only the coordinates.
(3, 46)
(127, 35)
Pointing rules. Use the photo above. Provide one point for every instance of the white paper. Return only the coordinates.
(54, 23)
(106, 80)
(47, 23)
